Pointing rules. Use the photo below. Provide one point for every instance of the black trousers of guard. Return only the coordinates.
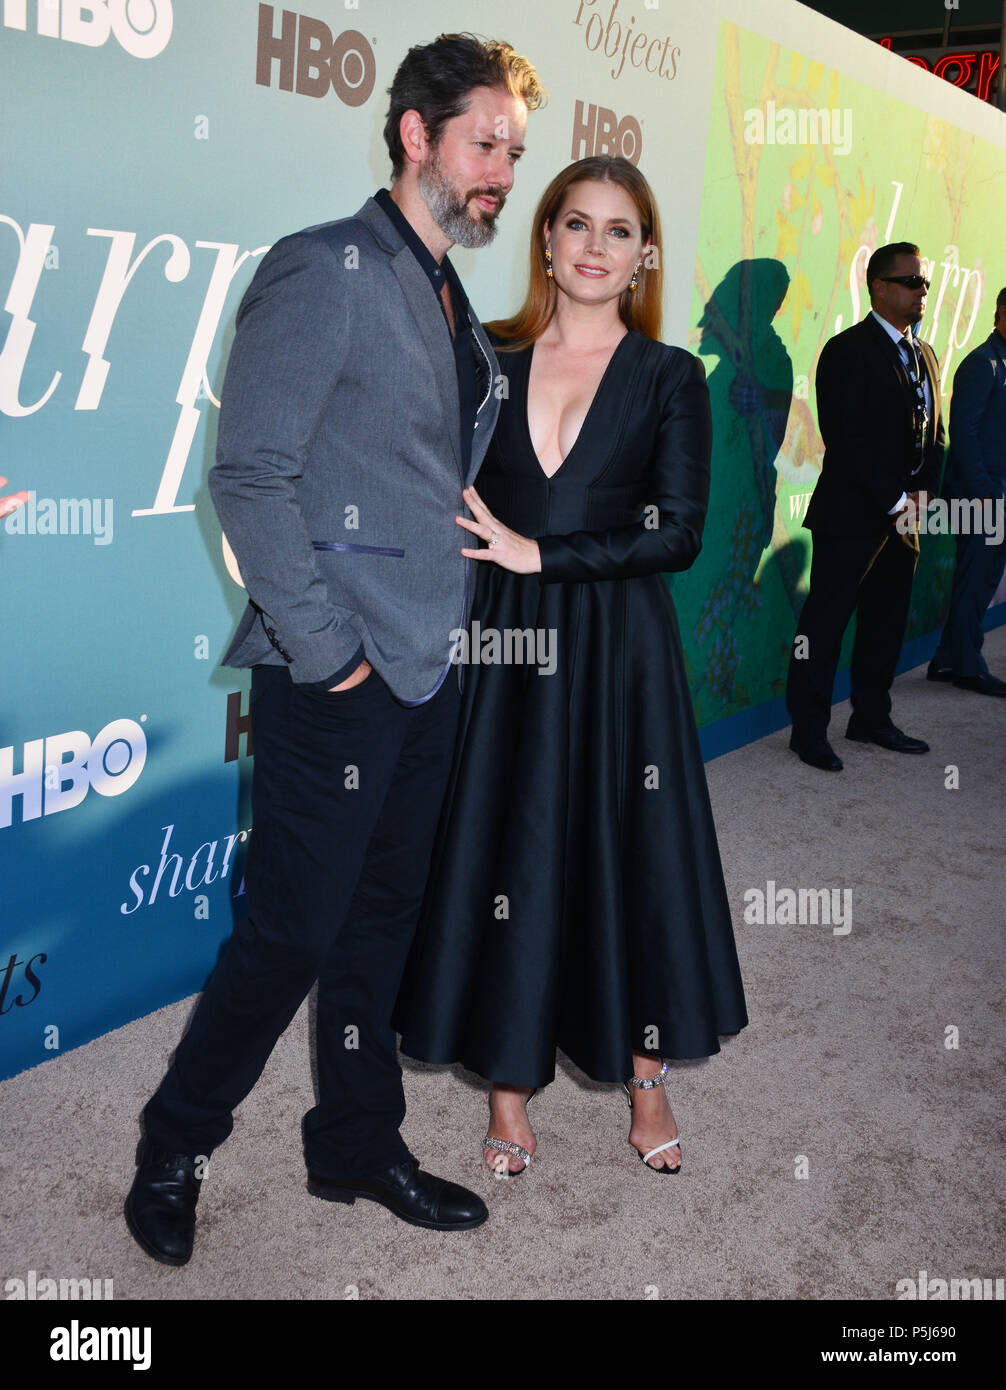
(346, 792)
(867, 575)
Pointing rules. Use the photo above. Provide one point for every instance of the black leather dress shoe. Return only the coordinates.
(415, 1196)
(816, 752)
(886, 737)
(938, 673)
(161, 1206)
(983, 684)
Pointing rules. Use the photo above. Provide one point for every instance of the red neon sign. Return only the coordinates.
(958, 68)
(988, 64)
(964, 62)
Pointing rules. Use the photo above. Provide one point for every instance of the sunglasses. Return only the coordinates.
(910, 282)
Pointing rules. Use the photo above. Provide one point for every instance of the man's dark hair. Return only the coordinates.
(1000, 301)
(436, 78)
(884, 259)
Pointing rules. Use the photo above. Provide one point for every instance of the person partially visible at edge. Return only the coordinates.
(976, 470)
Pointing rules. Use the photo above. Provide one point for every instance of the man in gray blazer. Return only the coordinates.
(359, 400)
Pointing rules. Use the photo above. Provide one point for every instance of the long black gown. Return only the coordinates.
(576, 897)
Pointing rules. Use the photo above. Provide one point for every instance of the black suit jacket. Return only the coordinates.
(865, 402)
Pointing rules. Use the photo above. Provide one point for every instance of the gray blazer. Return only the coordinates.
(338, 472)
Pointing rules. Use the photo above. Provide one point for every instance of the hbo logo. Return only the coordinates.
(61, 769)
(601, 132)
(306, 51)
(142, 27)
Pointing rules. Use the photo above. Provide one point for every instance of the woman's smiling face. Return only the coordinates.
(596, 241)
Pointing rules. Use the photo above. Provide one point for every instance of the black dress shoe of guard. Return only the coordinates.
(161, 1206)
(886, 736)
(938, 673)
(984, 684)
(415, 1196)
(816, 752)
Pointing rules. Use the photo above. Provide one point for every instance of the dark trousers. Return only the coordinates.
(346, 792)
(976, 577)
(870, 576)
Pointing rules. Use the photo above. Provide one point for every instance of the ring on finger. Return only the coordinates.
(493, 540)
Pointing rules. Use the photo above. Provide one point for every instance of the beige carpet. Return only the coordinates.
(843, 1063)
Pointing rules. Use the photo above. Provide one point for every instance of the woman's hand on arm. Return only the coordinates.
(510, 551)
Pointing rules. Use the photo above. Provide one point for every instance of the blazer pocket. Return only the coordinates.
(358, 549)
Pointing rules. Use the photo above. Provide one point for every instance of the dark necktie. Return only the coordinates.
(920, 415)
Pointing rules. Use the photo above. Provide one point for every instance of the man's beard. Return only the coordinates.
(450, 211)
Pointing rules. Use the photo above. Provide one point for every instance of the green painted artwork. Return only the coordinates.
(798, 193)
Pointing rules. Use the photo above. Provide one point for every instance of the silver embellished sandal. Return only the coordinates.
(648, 1084)
(507, 1146)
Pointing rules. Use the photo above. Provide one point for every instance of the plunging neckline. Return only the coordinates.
(590, 409)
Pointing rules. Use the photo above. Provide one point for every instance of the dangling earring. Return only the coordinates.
(633, 281)
(548, 263)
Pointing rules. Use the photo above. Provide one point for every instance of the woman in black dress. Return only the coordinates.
(576, 897)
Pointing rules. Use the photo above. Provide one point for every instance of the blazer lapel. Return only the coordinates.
(437, 339)
(488, 405)
(434, 332)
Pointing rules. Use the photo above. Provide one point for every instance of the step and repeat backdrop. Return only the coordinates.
(152, 152)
